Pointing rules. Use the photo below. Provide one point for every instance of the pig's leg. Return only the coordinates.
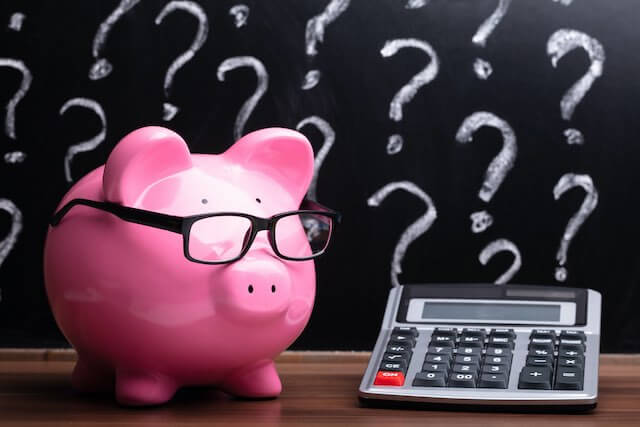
(137, 388)
(256, 381)
(90, 377)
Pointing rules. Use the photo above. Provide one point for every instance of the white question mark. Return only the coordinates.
(502, 245)
(16, 226)
(416, 4)
(10, 118)
(315, 33)
(89, 144)
(102, 68)
(560, 43)
(499, 166)
(482, 67)
(16, 21)
(567, 182)
(409, 90)
(193, 8)
(250, 104)
(240, 13)
(415, 230)
(329, 138)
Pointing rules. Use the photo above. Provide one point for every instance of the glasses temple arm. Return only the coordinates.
(137, 216)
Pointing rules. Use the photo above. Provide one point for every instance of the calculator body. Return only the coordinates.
(532, 331)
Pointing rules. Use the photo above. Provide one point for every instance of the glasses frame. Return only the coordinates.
(182, 224)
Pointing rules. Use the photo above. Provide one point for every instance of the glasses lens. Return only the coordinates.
(303, 235)
(218, 238)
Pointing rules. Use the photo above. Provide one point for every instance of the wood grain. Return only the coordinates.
(320, 388)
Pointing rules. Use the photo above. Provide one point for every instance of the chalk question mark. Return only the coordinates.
(170, 110)
(315, 33)
(240, 13)
(329, 138)
(499, 166)
(415, 230)
(10, 118)
(416, 4)
(7, 244)
(567, 182)
(89, 144)
(16, 21)
(560, 43)
(409, 90)
(502, 245)
(250, 104)
(101, 68)
(483, 67)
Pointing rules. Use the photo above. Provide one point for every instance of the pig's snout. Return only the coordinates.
(253, 289)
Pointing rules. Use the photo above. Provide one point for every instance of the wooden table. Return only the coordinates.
(320, 388)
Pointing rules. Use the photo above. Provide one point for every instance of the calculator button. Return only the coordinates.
(492, 381)
(443, 341)
(570, 352)
(467, 351)
(406, 330)
(446, 332)
(543, 333)
(498, 360)
(436, 367)
(540, 352)
(541, 344)
(471, 341)
(399, 348)
(495, 369)
(501, 342)
(569, 379)
(402, 339)
(535, 377)
(389, 378)
(465, 369)
(540, 361)
(497, 351)
(474, 332)
(570, 362)
(395, 357)
(462, 359)
(503, 333)
(434, 349)
(438, 358)
(430, 379)
(575, 344)
(394, 366)
(459, 379)
(576, 335)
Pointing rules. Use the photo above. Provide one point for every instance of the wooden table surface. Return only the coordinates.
(320, 388)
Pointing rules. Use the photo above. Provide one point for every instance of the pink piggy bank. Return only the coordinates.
(165, 268)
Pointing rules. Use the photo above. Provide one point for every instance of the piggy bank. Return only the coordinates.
(166, 269)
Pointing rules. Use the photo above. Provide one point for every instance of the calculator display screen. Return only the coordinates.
(495, 311)
(491, 311)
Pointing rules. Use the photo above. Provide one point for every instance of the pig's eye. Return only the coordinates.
(258, 200)
(205, 201)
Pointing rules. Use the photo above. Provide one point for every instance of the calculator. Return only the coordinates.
(516, 347)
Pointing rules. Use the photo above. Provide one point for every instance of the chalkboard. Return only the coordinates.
(445, 131)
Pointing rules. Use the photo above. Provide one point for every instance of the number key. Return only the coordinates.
(458, 379)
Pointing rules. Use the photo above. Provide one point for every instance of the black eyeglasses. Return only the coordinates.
(224, 237)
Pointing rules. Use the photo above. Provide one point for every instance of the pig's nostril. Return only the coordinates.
(273, 288)
(250, 289)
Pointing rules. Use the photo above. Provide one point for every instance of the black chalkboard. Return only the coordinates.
(438, 178)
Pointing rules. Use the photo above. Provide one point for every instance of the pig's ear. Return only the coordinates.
(282, 154)
(141, 158)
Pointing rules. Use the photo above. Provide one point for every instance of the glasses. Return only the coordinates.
(224, 237)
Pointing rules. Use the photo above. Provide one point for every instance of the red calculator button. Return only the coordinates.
(389, 378)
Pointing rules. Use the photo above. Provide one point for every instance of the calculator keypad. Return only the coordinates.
(554, 362)
(481, 358)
